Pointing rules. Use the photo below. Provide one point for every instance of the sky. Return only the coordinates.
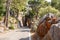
(48, 0)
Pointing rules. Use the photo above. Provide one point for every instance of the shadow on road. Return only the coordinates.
(24, 30)
(24, 38)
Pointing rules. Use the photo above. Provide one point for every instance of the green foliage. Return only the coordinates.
(56, 4)
(31, 14)
(58, 14)
(11, 27)
(2, 7)
(48, 9)
(45, 4)
(0, 18)
(19, 4)
(37, 5)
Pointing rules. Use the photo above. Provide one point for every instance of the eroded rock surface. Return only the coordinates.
(53, 33)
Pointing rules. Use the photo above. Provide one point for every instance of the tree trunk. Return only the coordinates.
(7, 12)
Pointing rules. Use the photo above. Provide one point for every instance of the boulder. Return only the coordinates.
(53, 33)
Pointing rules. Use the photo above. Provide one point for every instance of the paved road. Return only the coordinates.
(19, 34)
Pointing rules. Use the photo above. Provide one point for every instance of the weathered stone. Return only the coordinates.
(53, 33)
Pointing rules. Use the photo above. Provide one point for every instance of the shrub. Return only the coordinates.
(48, 9)
(0, 18)
(11, 27)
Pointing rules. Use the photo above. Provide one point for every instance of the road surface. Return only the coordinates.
(19, 34)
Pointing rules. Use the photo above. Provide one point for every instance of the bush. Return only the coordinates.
(48, 9)
(11, 27)
(0, 18)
